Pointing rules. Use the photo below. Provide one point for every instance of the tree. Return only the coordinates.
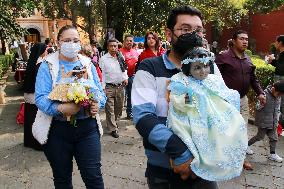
(9, 12)
(89, 11)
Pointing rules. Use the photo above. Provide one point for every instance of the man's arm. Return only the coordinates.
(256, 86)
(144, 99)
(254, 82)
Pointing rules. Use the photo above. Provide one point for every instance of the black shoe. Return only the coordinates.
(114, 134)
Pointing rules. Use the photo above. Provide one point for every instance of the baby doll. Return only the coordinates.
(204, 113)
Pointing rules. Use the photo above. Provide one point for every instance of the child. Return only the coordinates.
(266, 119)
(204, 113)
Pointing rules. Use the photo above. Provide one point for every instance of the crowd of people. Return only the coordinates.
(184, 101)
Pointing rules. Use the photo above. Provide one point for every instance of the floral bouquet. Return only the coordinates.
(76, 92)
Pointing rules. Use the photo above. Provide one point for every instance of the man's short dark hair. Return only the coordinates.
(128, 35)
(172, 19)
(235, 35)
(279, 86)
(111, 41)
(280, 38)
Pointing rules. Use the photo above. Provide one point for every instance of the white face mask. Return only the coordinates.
(70, 49)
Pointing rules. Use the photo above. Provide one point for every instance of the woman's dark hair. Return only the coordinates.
(172, 19)
(235, 35)
(30, 73)
(146, 46)
(194, 53)
(64, 28)
(280, 38)
(279, 86)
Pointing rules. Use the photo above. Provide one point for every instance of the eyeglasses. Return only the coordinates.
(70, 40)
(189, 29)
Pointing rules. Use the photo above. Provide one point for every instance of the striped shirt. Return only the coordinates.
(150, 114)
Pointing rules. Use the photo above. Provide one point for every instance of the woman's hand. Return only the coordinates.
(68, 109)
(94, 109)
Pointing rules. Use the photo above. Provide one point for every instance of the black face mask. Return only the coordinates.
(186, 42)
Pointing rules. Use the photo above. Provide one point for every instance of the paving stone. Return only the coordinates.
(259, 180)
(278, 172)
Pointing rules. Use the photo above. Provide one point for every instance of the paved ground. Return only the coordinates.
(123, 159)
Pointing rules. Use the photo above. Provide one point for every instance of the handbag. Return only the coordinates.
(21, 114)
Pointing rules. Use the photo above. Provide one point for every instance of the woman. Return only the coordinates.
(88, 51)
(38, 52)
(63, 141)
(151, 46)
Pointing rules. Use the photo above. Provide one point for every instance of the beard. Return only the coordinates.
(185, 42)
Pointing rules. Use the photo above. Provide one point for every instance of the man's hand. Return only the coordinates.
(68, 109)
(94, 109)
(270, 58)
(125, 82)
(184, 170)
(262, 99)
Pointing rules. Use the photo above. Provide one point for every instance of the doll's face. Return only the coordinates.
(199, 70)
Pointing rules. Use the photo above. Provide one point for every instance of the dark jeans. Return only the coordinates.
(177, 183)
(83, 143)
(128, 94)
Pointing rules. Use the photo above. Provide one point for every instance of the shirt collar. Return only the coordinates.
(169, 65)
(232, 53)
(108, 55)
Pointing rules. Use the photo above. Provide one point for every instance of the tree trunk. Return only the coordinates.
(3, 45)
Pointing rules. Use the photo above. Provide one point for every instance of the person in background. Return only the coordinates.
(114, 80)
(87, 51)
(214, 47)
(64, 141)
(151, 46)
(238, 73)
(131, 59)
(38, 52)
(266, 119)
(135, 46)
(162, 50)
(279, 67)
(120, 45)
(140, 48)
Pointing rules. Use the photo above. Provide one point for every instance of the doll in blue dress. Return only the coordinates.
(204, 113)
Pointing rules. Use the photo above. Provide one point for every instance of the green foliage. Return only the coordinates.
(262, 6)
(9, 11)
(264, 73)
(5, 62)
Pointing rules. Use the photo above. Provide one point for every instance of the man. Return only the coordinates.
(131, 58)
(279, 67)
(238, 73)
(150, 106)
(113, 81)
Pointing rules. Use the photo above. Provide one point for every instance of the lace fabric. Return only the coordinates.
(209, 124)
